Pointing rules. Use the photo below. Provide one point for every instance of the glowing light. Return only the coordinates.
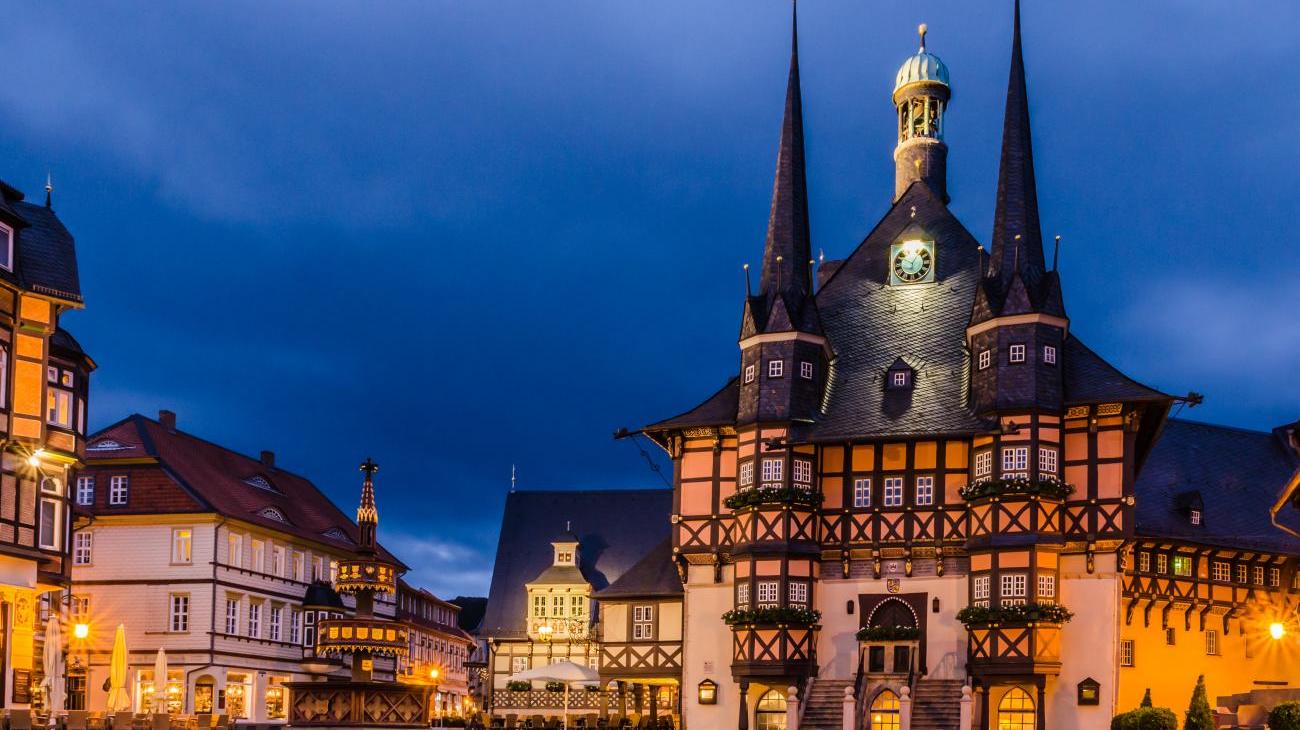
(35, 458)
(911, 247)
(1276, 630)
(81, 631)
(433, 674)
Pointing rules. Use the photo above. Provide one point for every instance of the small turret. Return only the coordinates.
(921, 94)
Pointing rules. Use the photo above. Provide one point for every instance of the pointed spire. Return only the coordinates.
(367, 512)
(1017, 237)
(788, 240)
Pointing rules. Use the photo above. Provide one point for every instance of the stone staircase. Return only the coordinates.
(936, 704)
(825, 705)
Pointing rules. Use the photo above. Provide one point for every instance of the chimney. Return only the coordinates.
(268, 458)
(168, 420)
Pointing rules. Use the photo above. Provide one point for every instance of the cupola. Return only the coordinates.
(921, 94)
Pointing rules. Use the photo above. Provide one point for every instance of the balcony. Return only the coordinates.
(1014, 510)
(889, 652)
(784, 518)
(1014, 640)
(372, 636)
(773, 642)
(356, 576)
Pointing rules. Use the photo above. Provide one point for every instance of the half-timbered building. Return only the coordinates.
(920, 490)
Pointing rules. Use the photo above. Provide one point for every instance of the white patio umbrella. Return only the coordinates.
(561, 671)
(52, 661)
(119, 700)
(160, 682)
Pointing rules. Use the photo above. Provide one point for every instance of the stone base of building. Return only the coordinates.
(323, 705)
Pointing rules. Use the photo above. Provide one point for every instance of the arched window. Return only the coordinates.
(770, 713)
(884, 711)
(1016, 711)
(893, 612)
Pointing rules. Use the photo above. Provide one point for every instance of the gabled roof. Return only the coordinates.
(718, 409)
(654, 576)
(1090, 379)
(1237, 474)
(216, 477)
(471, 612)
(615, 528)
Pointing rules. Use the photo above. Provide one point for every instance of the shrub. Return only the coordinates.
(1199, 716)
(1285, 716)
(1044, 487)
(889, 633)
(555, 686)
(1049, 612)
(791, 616)
(774, 495)
(1145, 718)
(1146, 699)
(518, 685)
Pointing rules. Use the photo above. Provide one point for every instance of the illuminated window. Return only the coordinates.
(539, 606)
(798, 593)
(775, 368)
(1016, 353)
(50, 527)
(1274, 577)
(1015, 461)
(1144, 562)
(557, 605)
(1016, 711)
(773, 470)
(182, 545)
(577, 606)
(742, 595)
(749, 373)
(1047, 587)
(1046, 460)
(925, 490)
(1182, 565)
(277, 561)
(803, 471)
(643, 627)
(259, 555)
(118, 489)
(767, 594)
(1014, 587)
(746, 473)
(255, 620)
(1241, 573)
(980, 590)
(861, 492)
(986, 359)
(4, 375)
(769, 714)
(59, 408)
(1162, 563)
(983, 464)
(518, 664)
(894, 492)
(1126, 652)
(232, 616)
(1194, 517)
(884, 711)
(806, 370)
(1170, 636)
(85, 490)
(1049, 354)
(180, 612)
(1258, 574)
(1222, 571)
(317, 568)
(1211, 642)
(81, 548)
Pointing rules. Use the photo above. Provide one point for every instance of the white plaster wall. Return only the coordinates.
(1089, 644)
(707, 654)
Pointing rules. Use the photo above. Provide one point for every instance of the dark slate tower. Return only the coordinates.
(1018, 324)
(921, 94)
(783, 349)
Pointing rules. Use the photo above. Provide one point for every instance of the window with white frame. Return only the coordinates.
(6, 247)
(1047, 459)
(232, 616)
(767, 593)
(309, 629)
(1162, 563)
(1211, 642)
(749, 373)
(85, 490)
(983, 464)
(925, 490)
(179, 613)
(518, 664)
(746, 473)
(1047, 587)
(898, 378)
(82, 543)
(775, 368)
(539, 606)
(806, 370)
(1183, 565)
(802, 471)
(50, 526)
(1241, 572)
(557, 606)
(1016, 353)
(182, 545)
(257, 555)
(1194, 516)
(773, 470)
(1221, 571)
(295, 626)
(59, 408)
(4, 376)
(742, 595)
(985, 359)
(277, 561)
(81, 608)
(577, 606)
(980, 590)
(1126, 652)
(893, 496)
(118, 490)
(797, 593)
(1144, 562)
(1274, 577)
(1049, 354)
(299, 564)
(1015, 461)
(1014, 587)
(643, 623)
(255, 620)
(1258, 574)
(317, 568)
(275, 616)
(234, 549)
(862, 492)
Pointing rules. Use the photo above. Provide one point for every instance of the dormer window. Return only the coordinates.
(899, 376)
(564, 557)
(1194, 517)
(775, 368)
(898, 379)
(6, 247)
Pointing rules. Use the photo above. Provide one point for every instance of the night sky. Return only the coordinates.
(460, 236)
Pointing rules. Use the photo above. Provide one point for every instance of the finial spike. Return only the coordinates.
(49, 189)
(513, 478)
(921, 30)
(1056, 255)
(749, 290)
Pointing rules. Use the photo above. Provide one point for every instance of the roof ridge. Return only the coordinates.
(264, 468)
(605, 490)
(1222, 426)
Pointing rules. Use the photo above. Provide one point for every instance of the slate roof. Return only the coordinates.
(616, 529)
(1090, 379)
(654, 576)
(45, 254)
(1238, 474)
(718, 409)
(471, 612)
(218, 479)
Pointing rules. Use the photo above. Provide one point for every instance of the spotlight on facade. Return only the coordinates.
(81, 630)
(35, 458)
(1276, 630)
(433, 674)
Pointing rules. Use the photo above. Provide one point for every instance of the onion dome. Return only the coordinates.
(921, 68)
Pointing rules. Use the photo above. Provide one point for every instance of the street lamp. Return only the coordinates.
(1277, 630)
(81, 630)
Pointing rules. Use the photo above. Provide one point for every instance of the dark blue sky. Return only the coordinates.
(457, 236)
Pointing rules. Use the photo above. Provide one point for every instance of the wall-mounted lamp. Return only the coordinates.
(708, 692)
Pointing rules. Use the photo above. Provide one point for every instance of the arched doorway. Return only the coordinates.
(884, 711)
(770, 711)
(1016, 711)
(893, 612)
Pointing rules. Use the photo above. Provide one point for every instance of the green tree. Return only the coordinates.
(1285, 716)
(1146, 699)
(1199, 716)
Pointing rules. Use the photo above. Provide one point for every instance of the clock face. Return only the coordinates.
(912, 262)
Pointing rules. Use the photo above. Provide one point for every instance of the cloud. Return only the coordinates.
(445, 568)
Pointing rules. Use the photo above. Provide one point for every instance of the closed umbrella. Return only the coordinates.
(52, 661)
(563, 671)
(160, 682)
(119, 700)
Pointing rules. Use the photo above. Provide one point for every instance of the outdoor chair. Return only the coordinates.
(223, 722)
(78, 720)
(159, 721)
(203, 722)
(20, 720)
(553, 724)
